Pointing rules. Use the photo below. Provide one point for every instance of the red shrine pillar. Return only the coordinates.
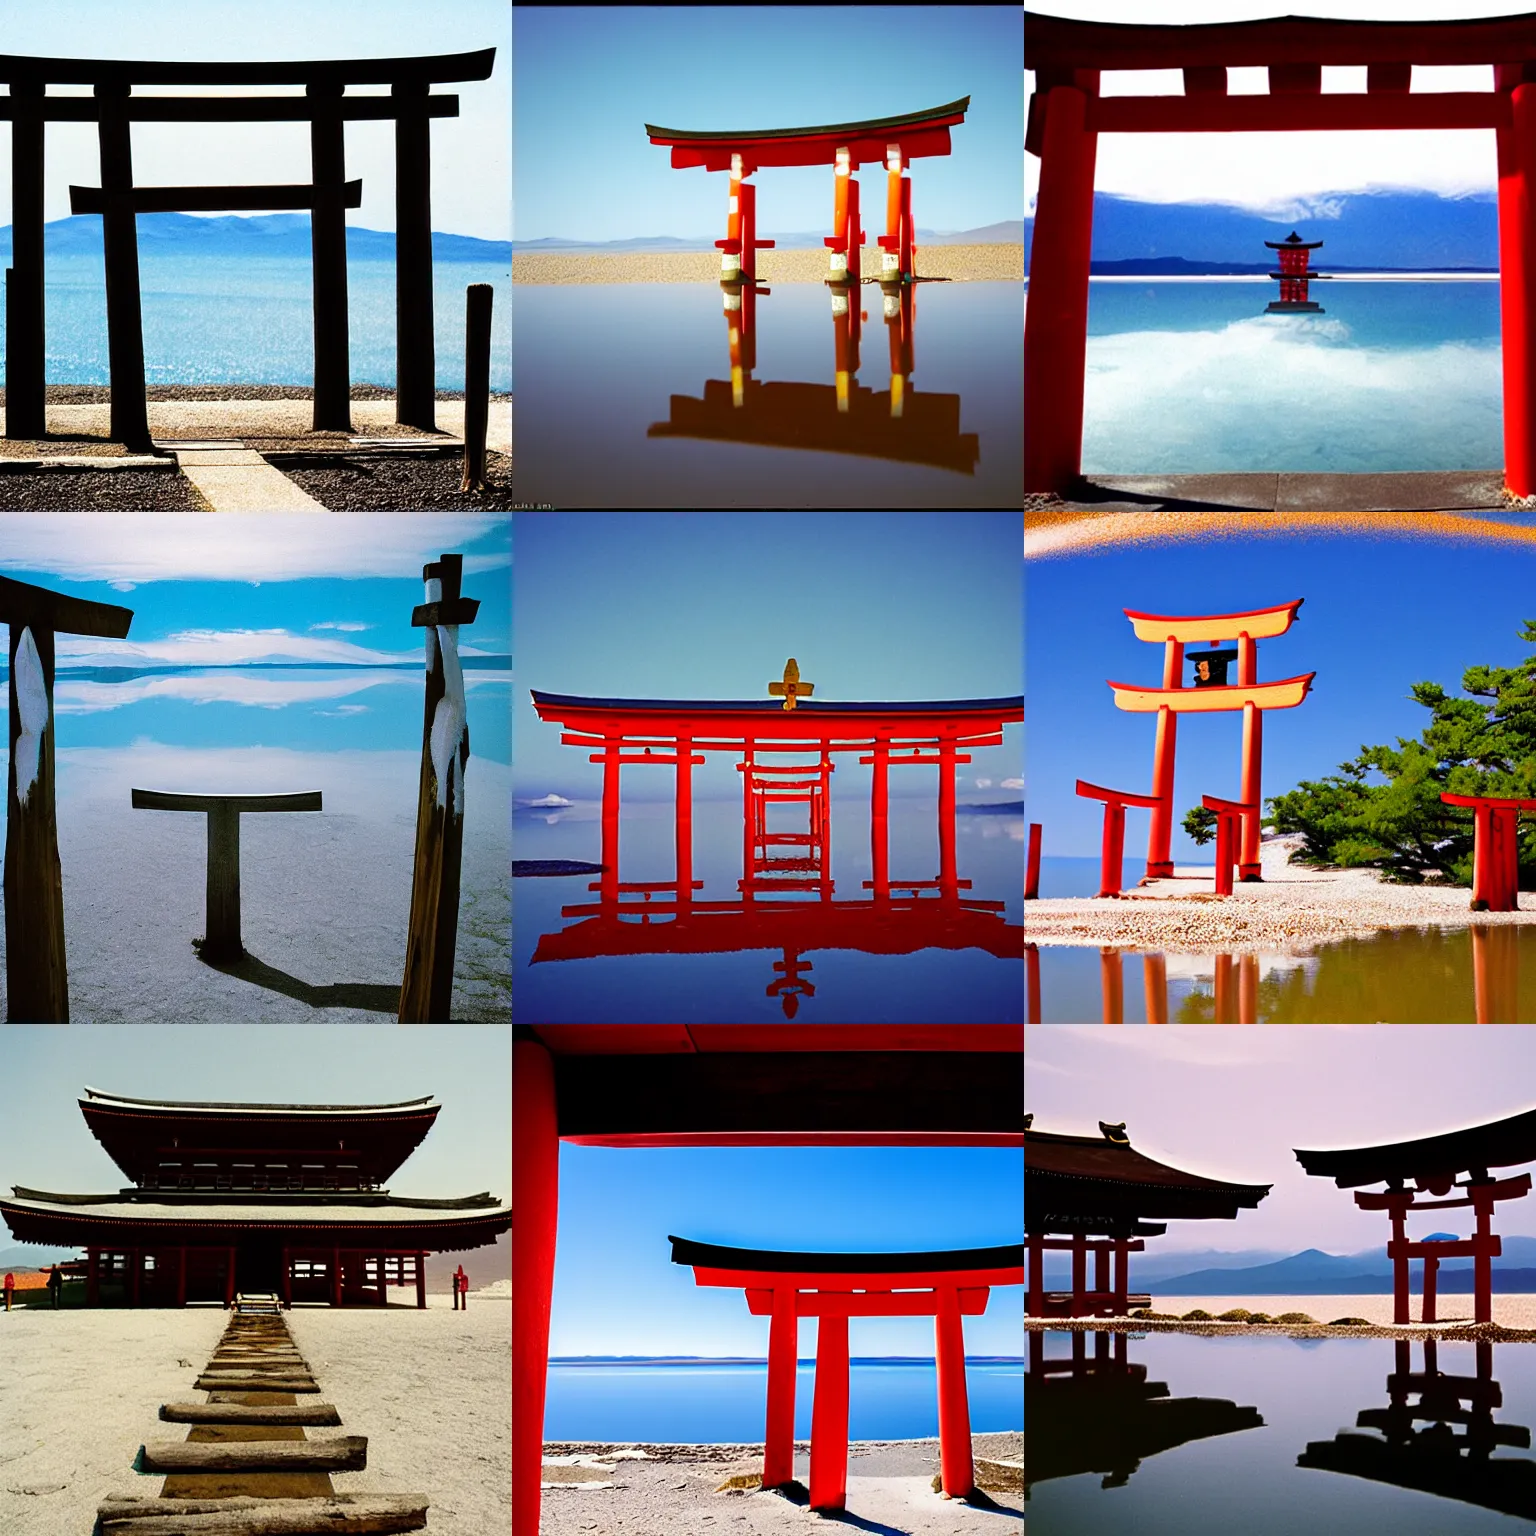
(1401, 1310)
(1154, 983)
(1079, 1274)
(684, 820)
(1160, 836)
(1248, 867)
(847, 239)
(730, 260)
(421, 1282)
(879, 819)
(779, 1432)
(829, 1413)
(1034, 1295)
(1056, 320)
(609, 878)
(535, 1198)
(1517, 275)
(1482, 1259)
(955, 1464)
(948, 872)
(336, 1282)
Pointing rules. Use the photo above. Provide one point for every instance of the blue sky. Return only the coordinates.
(589, 79)
(216, 597)
(617, 1291)
(872, 606)
(44, 1071)
(1283, 170)
(471, 160)
(1381, 613)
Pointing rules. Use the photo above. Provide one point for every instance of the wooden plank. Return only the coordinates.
(323, 1414)
(346, 1453)
(165, 800)
(365, 1514)
(254, 1384)
(435, 67)
(231, 109)
(210, 199)
(23, 603)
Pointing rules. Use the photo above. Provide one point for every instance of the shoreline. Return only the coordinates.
(957, 263)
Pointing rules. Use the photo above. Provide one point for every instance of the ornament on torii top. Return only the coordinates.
(792, 688)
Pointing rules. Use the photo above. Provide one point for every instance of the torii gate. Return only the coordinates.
(1067, 114)
(36, 980)
(895, 141)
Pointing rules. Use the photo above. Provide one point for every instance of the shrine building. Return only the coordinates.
(1091, 1195)
(281, 1199)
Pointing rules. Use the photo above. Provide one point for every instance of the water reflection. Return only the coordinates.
(1409, 976)
(1436, 1459)
(1098, 1413)
(844, 417)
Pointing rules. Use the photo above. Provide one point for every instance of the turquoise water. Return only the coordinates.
(249, 320)
(1194, 377)
(705, 1404)
(1269, 1437)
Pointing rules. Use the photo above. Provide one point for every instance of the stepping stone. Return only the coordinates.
(239, 1413)
(374, 1514)
(346, 1453)
(237, 479)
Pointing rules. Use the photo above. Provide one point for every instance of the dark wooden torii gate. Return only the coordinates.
(1067, 114)
(326, 108)
(36, 978)
(743, 1085)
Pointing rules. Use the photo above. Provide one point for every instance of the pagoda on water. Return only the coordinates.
(281, 1199)
(1294, 277)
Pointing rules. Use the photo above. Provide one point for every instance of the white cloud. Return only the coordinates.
(548, 800)
(1011, 784)
(170, 546)
(221, 648)
(348, 625)
(983, 783)
(250, 687)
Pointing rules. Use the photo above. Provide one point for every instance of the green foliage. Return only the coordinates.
(1200, 823)
(1236, 1315)
(1384, 808)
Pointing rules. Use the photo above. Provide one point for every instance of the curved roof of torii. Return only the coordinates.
(918, 134)
(1498, 1144)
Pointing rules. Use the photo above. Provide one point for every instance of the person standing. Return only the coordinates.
(10, 1290)
(55, 1285)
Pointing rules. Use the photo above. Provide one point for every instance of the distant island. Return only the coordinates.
(273, 234)
(1008, 232)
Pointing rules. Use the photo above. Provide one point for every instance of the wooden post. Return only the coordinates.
(1516, 138)
(1401, 1312)
(221, 934)
(779, 1433)
(415, 365)
(1431, 1267)
(181, 1276)
(477, 383)
(1032, 868)
(37, 980)
(609, 878)
(1154, 980)
(955, 1463)
(1032, 982)
(1164, 752)
(1482, 1259)
(427, 991)
(229, 1278)
(93, 1277)
(829, 1415)
(536, 1198)
(136, 1259)
(287, 1282)
(421, 1282)
(684, 821)
(948, 873)
(1223, 1010)
(328, 244)
(1112, 978)
(120, 241)
(879, 819)
(25, 347)
(335, 1277)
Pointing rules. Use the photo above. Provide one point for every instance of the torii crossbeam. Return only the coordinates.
(36, 976)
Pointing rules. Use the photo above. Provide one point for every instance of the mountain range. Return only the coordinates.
(272, 234)
(1008, 232)
(1308, 1273)
(1360, 231)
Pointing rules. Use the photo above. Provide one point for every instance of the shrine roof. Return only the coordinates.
(950, 112)
(1498, 1144)
(94, 1098)
(1072, 1181)
(686, 1251)
(1056, 43)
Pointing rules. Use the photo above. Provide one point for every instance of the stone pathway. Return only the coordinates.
(233, 478)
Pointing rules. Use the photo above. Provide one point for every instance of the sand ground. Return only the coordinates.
(671, 1491)
(82, 1390)
(1291, 911)
(325, 897)
(959, 263)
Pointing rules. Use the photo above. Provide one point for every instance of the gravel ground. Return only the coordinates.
(1291, 911)
(91, 490)
(960, 263)
(670, 1490)
(403, 484)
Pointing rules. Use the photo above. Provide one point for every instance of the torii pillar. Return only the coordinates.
(36, 977)
(427, 990)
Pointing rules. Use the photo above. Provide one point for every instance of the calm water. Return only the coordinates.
(1190, 377)
(1270, 1437)
(626, 399)
(249, 320)
(1482, 974)
(705, 1404)
(719, 966)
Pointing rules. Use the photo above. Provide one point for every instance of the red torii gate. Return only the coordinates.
(700, 1085)
(1067, 114)
(895, 141)
(1495, 849)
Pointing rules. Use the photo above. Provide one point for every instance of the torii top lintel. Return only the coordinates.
(1257, 624)
(1498, 1144)
(427, 68)
(918, 134)
(1056, 46)
(36, 607)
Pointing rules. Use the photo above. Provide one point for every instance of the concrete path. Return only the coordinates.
(233, 478)
(1429, 491)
